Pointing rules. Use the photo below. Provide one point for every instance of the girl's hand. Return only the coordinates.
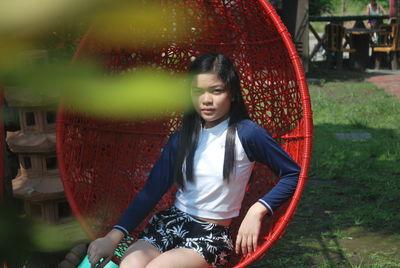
(247, 237)
(103, 247)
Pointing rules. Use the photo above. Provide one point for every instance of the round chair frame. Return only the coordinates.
(280, 73)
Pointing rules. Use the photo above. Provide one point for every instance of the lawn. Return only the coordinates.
(349, 213)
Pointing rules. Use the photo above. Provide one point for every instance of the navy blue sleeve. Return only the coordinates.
(261, 147)
(158, 183)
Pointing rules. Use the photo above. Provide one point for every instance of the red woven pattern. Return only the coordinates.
(104, 164)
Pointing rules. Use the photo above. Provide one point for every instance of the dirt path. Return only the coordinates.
(390, 81)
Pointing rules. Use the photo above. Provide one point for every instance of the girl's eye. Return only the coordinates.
(218, 91)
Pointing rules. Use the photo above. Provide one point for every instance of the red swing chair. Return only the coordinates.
(104, 164)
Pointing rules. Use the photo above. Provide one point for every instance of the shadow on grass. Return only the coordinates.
(350, 203)
(320, 72)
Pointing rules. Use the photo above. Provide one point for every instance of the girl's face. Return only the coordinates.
(211, 99)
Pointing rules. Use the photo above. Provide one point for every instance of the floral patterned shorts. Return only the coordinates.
(173, 228)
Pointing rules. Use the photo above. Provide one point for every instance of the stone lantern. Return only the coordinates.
(38, 183)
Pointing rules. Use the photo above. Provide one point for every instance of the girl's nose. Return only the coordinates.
(206, 98)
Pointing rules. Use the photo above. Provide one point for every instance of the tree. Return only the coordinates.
(317, 7)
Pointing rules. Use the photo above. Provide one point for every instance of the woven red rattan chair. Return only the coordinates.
(104, 164)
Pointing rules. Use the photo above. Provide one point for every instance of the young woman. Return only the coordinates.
(374, 9)
(210, 160)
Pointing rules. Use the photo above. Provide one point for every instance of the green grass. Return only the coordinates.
(348, 215)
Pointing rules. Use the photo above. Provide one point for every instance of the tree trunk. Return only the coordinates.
(398, 10)
(344, 7)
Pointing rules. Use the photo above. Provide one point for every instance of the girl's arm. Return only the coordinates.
(247, 236)
(104, 247)
(260, 147)
(158, 183)
(382, 9)
(367, 10)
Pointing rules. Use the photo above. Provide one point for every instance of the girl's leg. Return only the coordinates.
(179, 258)
(139, 255)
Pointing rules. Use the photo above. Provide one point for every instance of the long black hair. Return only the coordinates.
(220, 65)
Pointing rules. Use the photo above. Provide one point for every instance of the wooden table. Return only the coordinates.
(359, 23)
(356, 18)
(360, 40)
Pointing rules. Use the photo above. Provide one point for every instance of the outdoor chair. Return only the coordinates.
(336, 43)
(103, 164)
(388, 41)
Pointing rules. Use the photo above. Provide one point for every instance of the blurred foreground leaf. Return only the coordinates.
(10, 54)
(135, 24)
(25, 17)
(51, 238)
(84, 88)
(117, 22)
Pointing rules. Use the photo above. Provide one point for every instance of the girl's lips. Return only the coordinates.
(207, 111)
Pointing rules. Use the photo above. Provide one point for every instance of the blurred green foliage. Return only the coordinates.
(37, 41)
(37, 45)
(22, 238)
(15, 236)
(318, 7)
(84, 88)
(324, 7)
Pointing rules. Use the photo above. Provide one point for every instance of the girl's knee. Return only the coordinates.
(139, 255)
(134, 261)
(157, 264)
(123, 264)
(129, 263)
(151, 265)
